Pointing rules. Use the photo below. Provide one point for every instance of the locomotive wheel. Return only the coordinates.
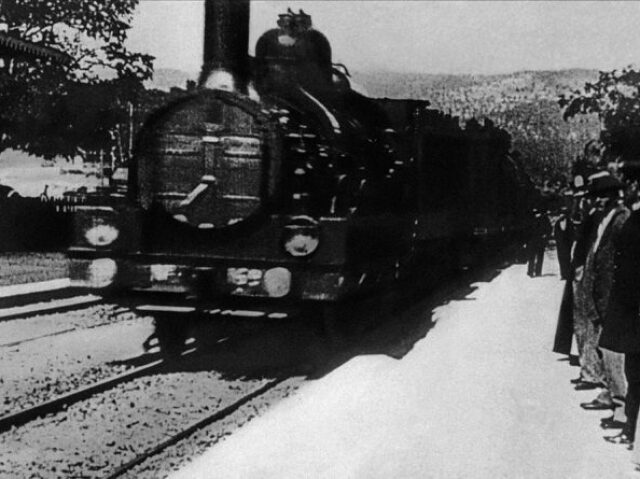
(171, 332)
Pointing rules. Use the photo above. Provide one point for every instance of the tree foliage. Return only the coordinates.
(52, 108)
(615, 98)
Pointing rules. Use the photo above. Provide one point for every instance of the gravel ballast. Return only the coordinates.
(93, 437)
(16, 330)
(176, 457)
(43, 369)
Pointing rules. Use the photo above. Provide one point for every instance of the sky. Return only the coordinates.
(478, 37)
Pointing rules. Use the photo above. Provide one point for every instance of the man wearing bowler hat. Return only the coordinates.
(565, 329)
(591, 376)
(622, 332)
(606, 192)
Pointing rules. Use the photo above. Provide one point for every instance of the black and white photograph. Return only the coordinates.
(332, 239)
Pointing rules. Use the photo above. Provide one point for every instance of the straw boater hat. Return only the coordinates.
(603, 184)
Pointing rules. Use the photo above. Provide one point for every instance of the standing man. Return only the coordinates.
(540, 231)
(591, 376)
(609, 193)
(565, 329)
(622, 331)
(563, 234)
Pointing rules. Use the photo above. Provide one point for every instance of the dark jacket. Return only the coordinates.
(622, 324)
(563, 234)
(540, 229)
(584, 237)
(603, 261)
(564, 327)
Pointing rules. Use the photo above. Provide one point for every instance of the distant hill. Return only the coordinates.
(525, 103)
(167, 78)
(443, 91)
(440, 88)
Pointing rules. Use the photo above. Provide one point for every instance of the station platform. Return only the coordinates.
(481, 396)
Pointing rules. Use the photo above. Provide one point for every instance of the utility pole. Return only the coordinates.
(101, 167)
(130, 145)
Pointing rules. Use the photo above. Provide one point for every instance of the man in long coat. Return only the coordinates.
(591, 375)
(563, 234)
(564, 328)
(615, 215)
(539, 235)
(622, 331)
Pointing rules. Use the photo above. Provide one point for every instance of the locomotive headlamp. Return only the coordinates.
(277, 282)
(101, 272)
(301, 236)
(101, 234)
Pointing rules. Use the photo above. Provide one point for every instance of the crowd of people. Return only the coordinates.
(598, 244)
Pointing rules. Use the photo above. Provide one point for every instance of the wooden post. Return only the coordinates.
(101, 167)
(130, 146)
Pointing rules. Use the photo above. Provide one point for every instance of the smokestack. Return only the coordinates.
(226, 44)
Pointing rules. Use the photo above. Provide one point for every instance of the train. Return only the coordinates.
(279, 184)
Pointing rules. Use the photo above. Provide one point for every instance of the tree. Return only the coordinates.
(51, 108)
(615, 98)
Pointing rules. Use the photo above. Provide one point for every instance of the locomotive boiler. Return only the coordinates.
(277, 184)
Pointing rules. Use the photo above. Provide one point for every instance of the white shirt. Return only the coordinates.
(562, 223)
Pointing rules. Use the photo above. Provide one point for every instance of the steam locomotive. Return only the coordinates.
(276, 183)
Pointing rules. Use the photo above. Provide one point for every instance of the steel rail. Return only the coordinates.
(55, 305)
(61, 331)
(29, 293)
(216, 416)
(62, 402)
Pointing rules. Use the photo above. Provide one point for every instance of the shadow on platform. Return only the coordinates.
(390, 325)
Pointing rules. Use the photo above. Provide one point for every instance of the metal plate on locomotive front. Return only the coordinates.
(207, 163)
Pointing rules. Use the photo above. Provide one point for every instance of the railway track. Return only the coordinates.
(62, 402)
(188, 431)
(143, 454)
(18, 342)
(30, 299)
(16, 421)
(48, 306)
(128, 469)
(29, 293)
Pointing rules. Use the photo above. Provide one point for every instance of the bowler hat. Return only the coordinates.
(603, 185)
